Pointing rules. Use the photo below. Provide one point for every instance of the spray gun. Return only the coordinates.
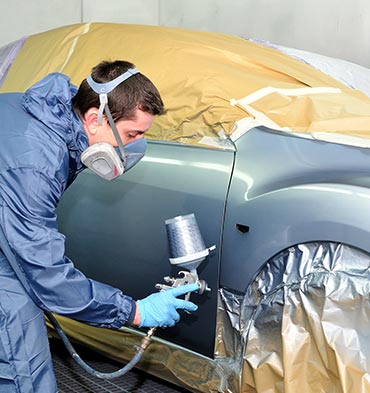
(187, 250)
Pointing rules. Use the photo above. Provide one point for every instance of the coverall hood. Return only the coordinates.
(49, 101)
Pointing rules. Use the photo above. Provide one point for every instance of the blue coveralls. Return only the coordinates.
(41, 140)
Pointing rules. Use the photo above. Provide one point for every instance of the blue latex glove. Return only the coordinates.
(159, 309)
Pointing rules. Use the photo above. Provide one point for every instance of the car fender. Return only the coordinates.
(261, 227)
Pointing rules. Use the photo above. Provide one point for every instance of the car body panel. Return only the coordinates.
(290, 190)
(116, 231)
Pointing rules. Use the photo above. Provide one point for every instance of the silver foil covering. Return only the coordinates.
(304, 323)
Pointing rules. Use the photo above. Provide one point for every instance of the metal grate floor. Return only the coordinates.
(71, 378)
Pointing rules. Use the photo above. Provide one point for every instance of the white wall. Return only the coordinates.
(338, 28)
(19, 17)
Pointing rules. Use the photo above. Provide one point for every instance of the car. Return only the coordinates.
(271, 155)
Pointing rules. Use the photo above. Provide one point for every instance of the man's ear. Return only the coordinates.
(90, 120)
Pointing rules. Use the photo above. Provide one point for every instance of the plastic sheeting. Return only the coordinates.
(198, 74)
(7, 55)
(303, 325)
(351, 74)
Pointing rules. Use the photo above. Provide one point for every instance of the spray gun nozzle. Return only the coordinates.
(203, 287)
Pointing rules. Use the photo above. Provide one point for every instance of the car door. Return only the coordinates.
(115, 231)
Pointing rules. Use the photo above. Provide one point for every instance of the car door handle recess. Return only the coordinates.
(242, 228)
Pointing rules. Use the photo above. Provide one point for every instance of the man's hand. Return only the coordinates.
(160, 309)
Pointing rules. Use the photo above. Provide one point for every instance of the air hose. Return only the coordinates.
(22, 278)
(115, 374)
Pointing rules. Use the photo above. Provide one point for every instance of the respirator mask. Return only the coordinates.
(102, 158)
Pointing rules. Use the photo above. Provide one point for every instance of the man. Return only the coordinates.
(47, 136)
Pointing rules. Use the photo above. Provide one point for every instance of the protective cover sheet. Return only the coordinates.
(200, 74)
(302, 326)
(351, 74)
(7, 55)
(304, 323)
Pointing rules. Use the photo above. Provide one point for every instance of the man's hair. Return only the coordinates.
(135, 92)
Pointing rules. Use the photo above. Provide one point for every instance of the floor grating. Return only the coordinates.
(71, 378)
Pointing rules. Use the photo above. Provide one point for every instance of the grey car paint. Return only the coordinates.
(290, 190)
(116, 230)
(283, 190)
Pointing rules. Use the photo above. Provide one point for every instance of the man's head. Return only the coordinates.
(132, 103)
(115, 114)
(137, 92)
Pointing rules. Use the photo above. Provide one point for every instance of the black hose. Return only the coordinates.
(115, 374)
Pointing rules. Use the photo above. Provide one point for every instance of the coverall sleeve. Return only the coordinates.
(28, 216)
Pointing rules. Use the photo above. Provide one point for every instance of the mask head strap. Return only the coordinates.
(103, 89)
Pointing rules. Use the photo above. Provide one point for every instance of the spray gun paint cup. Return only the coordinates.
(187, 248)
